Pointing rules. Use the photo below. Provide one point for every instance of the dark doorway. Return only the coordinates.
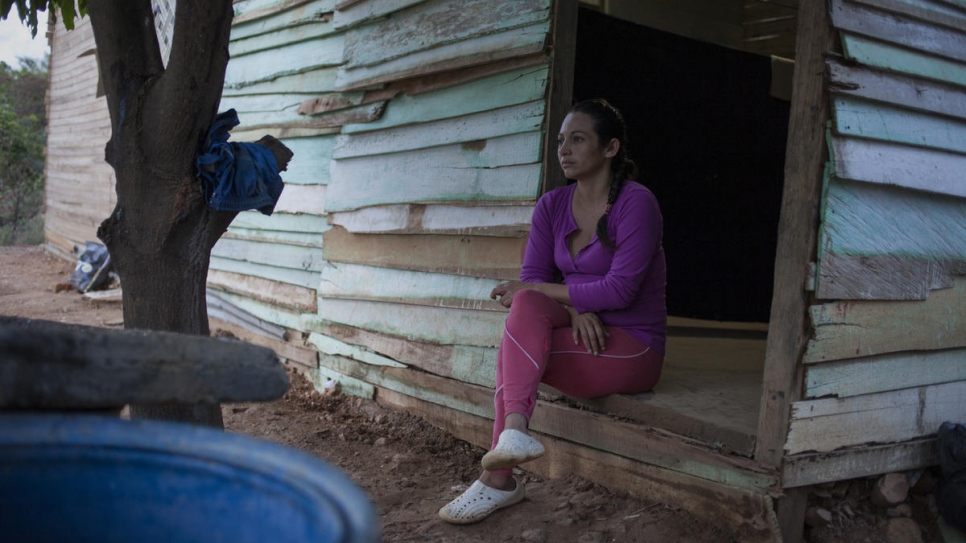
(710, 143)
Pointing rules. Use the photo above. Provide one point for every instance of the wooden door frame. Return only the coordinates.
(562, 48)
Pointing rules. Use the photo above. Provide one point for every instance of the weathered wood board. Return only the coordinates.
(441, 325)
(896, 164)
(302, 278)
(308, 199)
(900, 90)
(364, 11)
(282, 317)
(355, 282)
(273, 292)
(515, 119)
(474, 365)
(332, 346)
(291, 351)
(505, 168)
(830, 424)
(812, 469)
(281, 222)
(899, 59)
(845, 330)
(481, 220)
(283, 256)
(517, 86)
(274, 236)
(437, 36)
(479, 256)
(290, 59)
(886, 372)
(431, 25)
(715, 503)
(876, 121)
(586, 428)
(915, 34)
(882, 242)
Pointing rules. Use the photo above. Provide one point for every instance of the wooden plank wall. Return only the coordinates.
(886, 364)
(419, 131)
(79, 188)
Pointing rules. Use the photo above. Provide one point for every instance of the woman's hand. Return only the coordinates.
(588, 328)
(507, 289)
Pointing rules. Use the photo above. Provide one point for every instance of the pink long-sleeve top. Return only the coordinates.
(625, 285)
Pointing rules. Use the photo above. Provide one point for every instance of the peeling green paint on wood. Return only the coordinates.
(315, 80)
(527, 117)
(302, 278)
(868, 219)
(293, 26)
(276, 315)
(310, 164)
(902, 60)
(897, 164)
(884, 26)
(286, 60)
(501, 90)
(884, 373)
(829, 424)
(431, 25)
(332, 346)
(905, 91)
(366, 11)
(273, 236)
(350, 281)
(499, 169)
(282, 222)
(859, 329)
(283, 256)
(865, 119)
(444, 326)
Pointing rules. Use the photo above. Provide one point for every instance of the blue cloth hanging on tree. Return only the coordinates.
(237, 176)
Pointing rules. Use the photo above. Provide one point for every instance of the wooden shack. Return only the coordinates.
(808, 158)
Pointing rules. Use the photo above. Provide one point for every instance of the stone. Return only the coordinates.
(817, 517)
(891, 489)
(901, 510)
(903, 530)
(591, 537)
(381, 442)
(537, 535)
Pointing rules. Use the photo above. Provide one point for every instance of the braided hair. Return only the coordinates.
(609, 124)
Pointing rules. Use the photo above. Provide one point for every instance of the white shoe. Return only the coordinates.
(479, 501)
(512, 448)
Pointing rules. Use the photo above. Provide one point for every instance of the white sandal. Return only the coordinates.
(479, 501)
(512, 448)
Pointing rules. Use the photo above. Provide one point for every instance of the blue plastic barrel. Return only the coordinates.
(83, 478)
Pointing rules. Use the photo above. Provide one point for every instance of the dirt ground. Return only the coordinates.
(410, 469)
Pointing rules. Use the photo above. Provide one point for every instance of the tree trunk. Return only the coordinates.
(161, 232)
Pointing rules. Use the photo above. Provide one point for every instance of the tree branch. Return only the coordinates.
(195, 76)
(127, 52)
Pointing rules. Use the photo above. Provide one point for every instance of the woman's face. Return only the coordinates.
(579, 150)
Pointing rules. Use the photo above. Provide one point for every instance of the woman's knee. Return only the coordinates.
(532, 301)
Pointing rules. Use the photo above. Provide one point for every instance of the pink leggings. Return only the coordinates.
(538, 346)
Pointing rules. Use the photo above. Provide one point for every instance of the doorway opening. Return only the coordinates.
(709, 140)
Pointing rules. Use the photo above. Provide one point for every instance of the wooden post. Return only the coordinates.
(560, 88)
(797, 234)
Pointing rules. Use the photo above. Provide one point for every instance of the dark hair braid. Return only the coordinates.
(609, 124)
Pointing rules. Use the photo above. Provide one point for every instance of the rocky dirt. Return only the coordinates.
(410, 469)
